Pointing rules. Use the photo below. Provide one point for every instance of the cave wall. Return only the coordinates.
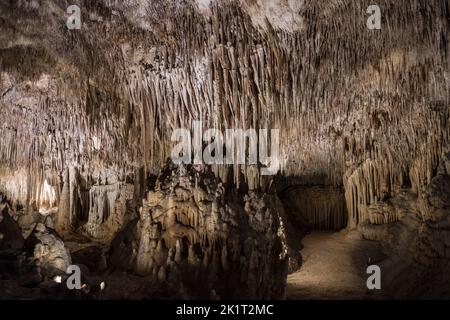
(316, 207)
(86, 115)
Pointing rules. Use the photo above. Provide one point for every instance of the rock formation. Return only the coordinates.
(10, 233)
(49, 252)
(87, 116)
(190, 231)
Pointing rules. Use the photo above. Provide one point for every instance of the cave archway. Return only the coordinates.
(317, 207)
(334, 257)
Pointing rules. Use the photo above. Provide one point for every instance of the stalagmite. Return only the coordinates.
(185, 245)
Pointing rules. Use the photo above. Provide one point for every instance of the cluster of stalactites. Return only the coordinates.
(317, 207)
(382, 178)
(342, 96)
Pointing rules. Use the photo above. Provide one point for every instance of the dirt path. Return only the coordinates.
(334, 267)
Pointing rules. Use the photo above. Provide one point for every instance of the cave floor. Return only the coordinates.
(334, 267)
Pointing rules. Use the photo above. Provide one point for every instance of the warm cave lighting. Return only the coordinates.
(57, 279)
(232, 150)
(48, 195)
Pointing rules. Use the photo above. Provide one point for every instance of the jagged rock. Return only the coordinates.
(124, 246)
(176, 241)
(10, 233)
(290, 233)
(381, 213)
(438, 193)
(48, 251)
(28, 220)
(92, 257)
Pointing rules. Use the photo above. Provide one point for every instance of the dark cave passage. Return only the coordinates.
(333, 259)
(316, 207)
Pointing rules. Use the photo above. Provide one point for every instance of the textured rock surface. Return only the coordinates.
(365, 109)
(48, 250)
(86, 118)
(10, 233)
(190, 231)
(316, 207)
(413, 232)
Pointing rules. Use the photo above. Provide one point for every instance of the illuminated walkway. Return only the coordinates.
(334, 267)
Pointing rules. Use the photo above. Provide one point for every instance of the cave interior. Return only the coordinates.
(357, 127)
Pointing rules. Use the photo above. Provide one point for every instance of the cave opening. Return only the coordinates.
(333, 257)
(316, 207)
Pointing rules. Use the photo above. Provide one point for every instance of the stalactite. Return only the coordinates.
(317, 207)
(115, 97)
